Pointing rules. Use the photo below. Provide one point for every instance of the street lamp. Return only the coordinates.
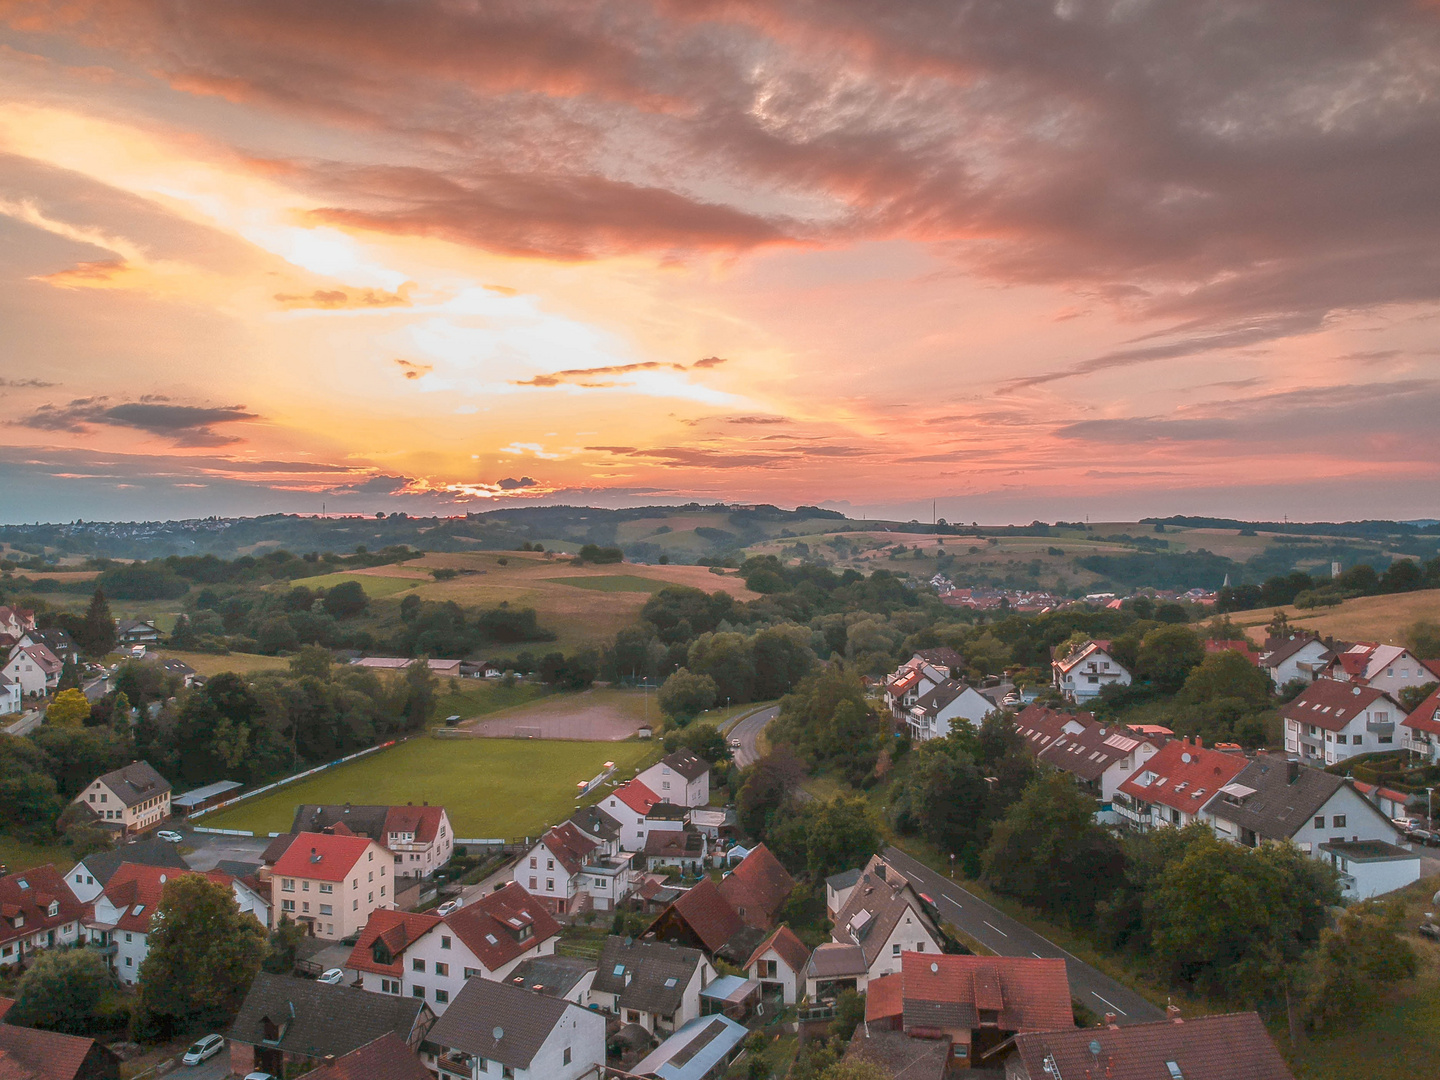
(952, 866)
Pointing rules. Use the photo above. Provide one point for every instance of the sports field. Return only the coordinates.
(490, 787)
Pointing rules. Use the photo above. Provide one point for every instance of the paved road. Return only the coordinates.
(217, 1068)
(747, 731)
(998, 931)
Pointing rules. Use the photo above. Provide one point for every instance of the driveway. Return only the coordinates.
(207, 849)
(217, 1068)
(747, 731)
(1007, 937)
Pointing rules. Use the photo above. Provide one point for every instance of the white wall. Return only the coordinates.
(430, 950)
(912, 936)
(788, 978)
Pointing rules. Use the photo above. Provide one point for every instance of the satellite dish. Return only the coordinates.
(498, 1033)
(1095, 1047)
(934, 968)
(1185, 758)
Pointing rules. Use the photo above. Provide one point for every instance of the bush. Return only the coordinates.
(593, 553)
(686, 695)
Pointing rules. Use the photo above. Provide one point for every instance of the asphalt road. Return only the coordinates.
(216, 1068)
(747, 731)
(1007, 937)
(207, 849)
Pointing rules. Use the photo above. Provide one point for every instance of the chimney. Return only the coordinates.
(1292, 770)
(1172, 1013)
(1110, 1021)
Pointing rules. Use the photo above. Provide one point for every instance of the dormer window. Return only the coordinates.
(53, 909)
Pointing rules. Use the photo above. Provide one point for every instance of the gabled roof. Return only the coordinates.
(422, 822)
(1183, 776)
(47, 660)
(1276, 651)
(1232, 1046)
(674, 844)
(944, 992)
(636, 796)
(1425, 716)
(1381, 793)
(658, 973)
(835, 960)
(135, 783)
(312, 1019)
(484, 1007)
(787, 946)
(1332, 705)
(494, 927)
(846, 879)
(594, 821)
(376, 822)
(147, 851)
(33, 1054)
(885, 998)
(1039, 725)
(875, 906)
(387, 1058)
(28, 894)
(322, 856)
(940, 695)
(942, 655)
(1265, 799)
(1085, 652)
(136, 890)
(687, 763)
(396, 929)
(694, 1052)
(1088, 753)
(758, 888)
(708, 914)
(569, 845)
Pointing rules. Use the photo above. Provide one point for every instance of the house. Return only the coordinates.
(130, 799)
(136, 632)
(898, 1054)
(885, 917)
(37, 911)
(1331, 721)
(1040, 725)
(599, 827)
(1100, 758)
(1231, 1046)
(701, 918)
(942, 707)
(778, 964)
(945, 659)
(88, 877)
(32, 1054)
(1393, 804)
(383, 663)
(639, 809)
(332, 883)
(650, 983)
(686, 849)
(714, 822)
(1086, 670)
(497, 1030)
(180, 670)
(682, 778)
(834, 968)
(431, 958)
(837, 891)
(202, 797)
(567, 977)
(571, 871)
(387, 1058)
(1175, 784)
(758, 888)
(419, 837)
(1238, 645)
(34, 668)
(1296, 656)
(703, 1048)
(57, 641)
(1391, 668)
(1422, 729)
(16, 621)
(11, 700)
(1277, 799)
(287, 1025)
(973, 1003)
(118, 923)
(908, 684)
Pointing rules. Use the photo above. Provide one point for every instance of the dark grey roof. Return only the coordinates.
(687, 763)
(1278, 808)
(1368, 850)
(482, 1007)
(554, 975)
(151, 851)
(596, 822)
(668, 811)
(658, 973)
(1276, 651)
(315, 1019)
(842, 881)
(873, 910)
(235, 868)
(135, 783)
(833, 960)
(365, 820)
(898, 1054)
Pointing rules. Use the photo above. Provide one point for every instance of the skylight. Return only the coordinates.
(670, 983)
(619, 970)
(492, 939)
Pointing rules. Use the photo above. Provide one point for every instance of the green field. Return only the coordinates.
(615, 583)
(468, 698)
(374, 585)
(20, 855)
(489, 787)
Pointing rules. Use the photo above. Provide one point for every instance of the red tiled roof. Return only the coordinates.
(322, 856)
(1385, 793)
(758, 888)
(398, 929)
(709, 915)
(422, 821)
(387, 1058)
(789, 947)
(1332, 705)
(636, 796)
(42, 884)
(1239, 645)
(569, 845)
(1028, 993)
(42, 1055)
(884, 998)
(1425, 716)
(1183, 776)
(491, 927)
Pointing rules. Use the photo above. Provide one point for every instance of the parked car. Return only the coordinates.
(259, 1076)
(447, 908)
(1403, 823)
(204, 1050)
(331, 977)
(170, 836)
(1423, 836)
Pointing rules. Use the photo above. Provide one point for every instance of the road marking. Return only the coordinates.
(992, 926)
(1117, 1008)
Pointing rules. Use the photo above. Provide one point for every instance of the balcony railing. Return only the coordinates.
(104, 948)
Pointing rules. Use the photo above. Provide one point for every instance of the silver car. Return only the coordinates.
(204, 1049)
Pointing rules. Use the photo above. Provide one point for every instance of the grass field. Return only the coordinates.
(615, 583)
(208, 664)
(469, 698)
(489, 787)
(18, 855)
(375, 586)
(1365, 618)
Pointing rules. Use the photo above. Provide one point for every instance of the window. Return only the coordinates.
(1320, 822)
(534, 863)
(473, 973)
(895, 949)
(129, 960)
(549, 864)
(305, 905)
(370, 856)
(444, 942)
(442, 996)
(127, 937)
(919, 946)
(549, 884)
(326, 909)
(355, 905)
(442, 970)
(417, 991)
(305, 886)
(417, 964)
(566, 1060)
(532, 884)
(1339, 821)
(287, 905)
(382, 890)
(287, 884)
(325, 887)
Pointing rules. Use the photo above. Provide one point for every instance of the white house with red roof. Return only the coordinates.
(419, 837)
(415, 955)
(1085, 671)
(1422, 729)
(639, 810)
(1391, 668)
(778, 965)
(1331, 721)
(35, 668)
(332, 883)
(10, 699)
(911, 681)
(37, 911)
(1174, 786)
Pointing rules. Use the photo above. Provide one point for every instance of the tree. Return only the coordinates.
(203, 954)
(686, 695)
(849, 1014)
(782, 657)
(1423, 639)
(1167, 655)
(767, 789)
(856, 1068)
(1410, 697)
(704, 740)
(346, 599)
(283, 947)
(727, 659)
(121, 712)
(68, 709)
(313, 660)
(1225, 674)
(276, 635)
(98, 635)
(1354, 962)
(419, 695)
(62, 991)
(840, 835)
(182, 635)
(69, 676)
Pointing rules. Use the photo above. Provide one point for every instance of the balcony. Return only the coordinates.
(102, 948)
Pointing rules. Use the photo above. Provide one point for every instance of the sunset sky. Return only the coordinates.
(1115, 257)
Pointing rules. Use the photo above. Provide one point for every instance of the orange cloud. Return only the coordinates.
(343, 299)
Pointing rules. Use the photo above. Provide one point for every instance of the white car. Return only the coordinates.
(170, 836)
(332, 977)
(259, 1076)
(203, 1050)
(447, 908)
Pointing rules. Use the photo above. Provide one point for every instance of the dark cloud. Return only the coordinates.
(412, 370)
(512, 484)
(184, 425)
(25, 384)
(756, 420)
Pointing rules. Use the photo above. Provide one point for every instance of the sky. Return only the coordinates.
(994, 260)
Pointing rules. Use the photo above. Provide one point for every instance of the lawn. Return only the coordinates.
(469, 698)
(375, 586)
(1365, 618)
(489, 787)
(614, 583)
(20, 855)
(209, 664)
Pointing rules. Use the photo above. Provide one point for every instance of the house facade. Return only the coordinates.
(1174, 786)
(1081, 675)
(778, 964)
(332, 883)
(639, 810)
(34, 668)
(419, 837)
(1390, 668)
(37, 911)
(1295, 657)
(650, 983)
(11, 700)
(1422, 729)
(570, 870)
(1333, 720)
(130, 799)
(499, 1031)
(682, 777)
(945, 706)
(885, 918)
